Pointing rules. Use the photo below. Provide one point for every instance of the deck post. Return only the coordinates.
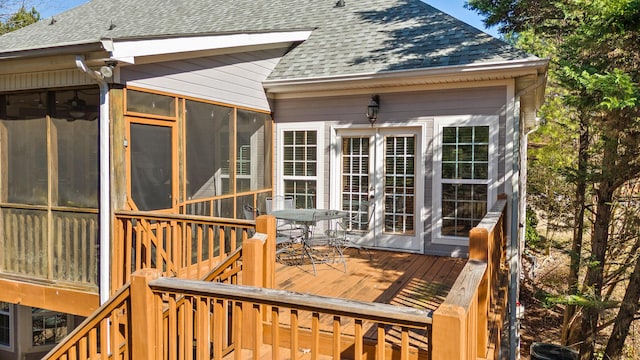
(252, 275)
(143, 327)
(450, 338)
(480, 249)
(266, 224)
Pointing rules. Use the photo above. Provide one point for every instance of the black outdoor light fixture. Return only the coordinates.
(372, 109)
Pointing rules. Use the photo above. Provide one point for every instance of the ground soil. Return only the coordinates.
(543, 322)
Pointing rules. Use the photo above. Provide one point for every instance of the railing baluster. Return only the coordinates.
(294, 334)
(380, 346)
(404, 348)
(219, 316)
(358, 335)
(336, 338)
(237, 330)
(173, 347)
(275, 333)
(315, 335)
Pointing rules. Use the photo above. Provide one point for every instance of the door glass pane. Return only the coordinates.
(355, 172)
(151, 166)
(399, 184)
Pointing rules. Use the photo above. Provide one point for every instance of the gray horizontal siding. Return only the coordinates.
(421, 106)
(234, 79)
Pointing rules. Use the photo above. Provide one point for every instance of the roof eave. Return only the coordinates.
(442, 74)
(65, 49)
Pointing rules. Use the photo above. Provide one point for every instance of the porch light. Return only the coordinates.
(372, 109)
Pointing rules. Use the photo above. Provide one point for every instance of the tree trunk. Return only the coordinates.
(599, 241)
(578, 230)
(625, 316)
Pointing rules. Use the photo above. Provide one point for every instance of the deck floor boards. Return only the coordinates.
(395, 278)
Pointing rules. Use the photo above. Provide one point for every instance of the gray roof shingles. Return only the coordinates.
(365, 36)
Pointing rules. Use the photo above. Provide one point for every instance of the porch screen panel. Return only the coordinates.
(151, 166)
(465, 174)
(355, 176)
(399, 184)
(76, 140)
(253, 151)
(23, 141)
(208, 150)
(300, 154)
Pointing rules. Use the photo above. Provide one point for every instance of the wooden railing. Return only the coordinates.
(185, 246)
(59, 245)
(160, 317)
(256, 322)
(104, 335)
(468, 324)
(114, 318)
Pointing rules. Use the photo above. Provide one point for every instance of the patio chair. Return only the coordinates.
(354, 227)
(286, 231)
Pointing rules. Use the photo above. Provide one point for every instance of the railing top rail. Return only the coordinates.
(469, 279)
(183, 217)
(385, 313)
(490, 220)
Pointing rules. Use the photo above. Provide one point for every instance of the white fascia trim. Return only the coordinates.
(503, 69)
(128, 50)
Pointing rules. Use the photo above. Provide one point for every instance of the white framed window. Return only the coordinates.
(465, 175)
(299, 162)
(6, 326)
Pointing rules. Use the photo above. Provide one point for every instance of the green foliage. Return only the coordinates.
(532, 238)
(19, 20)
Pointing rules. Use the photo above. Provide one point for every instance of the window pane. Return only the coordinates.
(481, 134)
(5, 324)
(253, 152)
(449, 153)
(450, 135)
(303, 192)
(463, 206)
(154, 104)
(24, 131)
(208, 149)
(465, 134)
(481, 153)
(464, 171)
(481, 171)
(48, 327)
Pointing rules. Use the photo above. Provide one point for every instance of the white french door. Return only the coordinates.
(381, 165)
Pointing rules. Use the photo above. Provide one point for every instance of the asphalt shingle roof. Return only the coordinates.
(364, 36)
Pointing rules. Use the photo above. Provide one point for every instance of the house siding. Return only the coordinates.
(402, 108)
(45, 79)
(234, 79)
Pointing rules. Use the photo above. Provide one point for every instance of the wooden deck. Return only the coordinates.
(401, 279)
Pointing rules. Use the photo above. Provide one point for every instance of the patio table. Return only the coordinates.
(309, 218)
